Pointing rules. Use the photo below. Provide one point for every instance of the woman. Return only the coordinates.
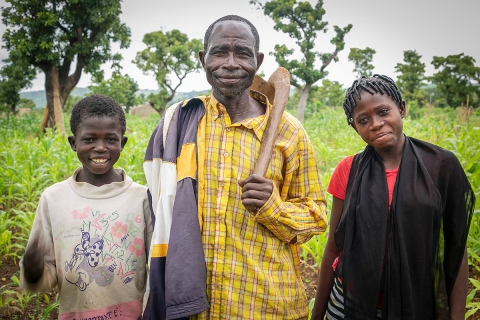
(399, 223)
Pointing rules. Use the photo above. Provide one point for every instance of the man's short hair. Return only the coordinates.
(232, 17)
(97, 105)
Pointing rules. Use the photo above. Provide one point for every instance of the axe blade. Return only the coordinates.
(264, 87)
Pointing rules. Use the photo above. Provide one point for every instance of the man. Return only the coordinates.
(250, 227)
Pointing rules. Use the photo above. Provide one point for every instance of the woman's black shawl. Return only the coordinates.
(413, 253)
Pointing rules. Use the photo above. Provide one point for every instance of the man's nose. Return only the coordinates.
(231, 62)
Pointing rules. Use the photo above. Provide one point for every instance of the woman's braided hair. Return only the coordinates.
(376, 83)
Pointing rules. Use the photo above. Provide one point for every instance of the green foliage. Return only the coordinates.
(362, 59)
(26, 103)
(168, 54)
(330, 94)
(53, 35)
(311, 303)
(458, 79)
(411, 78)
(315, 248)
(120, 87)
(5, 233)
(15, 75)
(303, 22)
(70, 103)
(30, 162)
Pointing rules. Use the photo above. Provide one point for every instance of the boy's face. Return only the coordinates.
(98, 143)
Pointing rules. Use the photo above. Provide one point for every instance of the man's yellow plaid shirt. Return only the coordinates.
(253, 265)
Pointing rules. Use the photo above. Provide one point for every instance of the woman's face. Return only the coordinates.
(377, 119)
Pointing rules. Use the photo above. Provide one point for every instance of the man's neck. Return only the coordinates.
(241, 107)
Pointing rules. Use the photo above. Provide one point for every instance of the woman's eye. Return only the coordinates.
(383, 112)
(363, 120)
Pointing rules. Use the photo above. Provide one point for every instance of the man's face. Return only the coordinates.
(230, 61)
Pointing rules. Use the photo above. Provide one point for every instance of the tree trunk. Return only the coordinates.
(53, 115)
(302, 104)
(159, 109)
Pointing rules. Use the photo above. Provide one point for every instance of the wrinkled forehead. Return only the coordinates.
(227, 31)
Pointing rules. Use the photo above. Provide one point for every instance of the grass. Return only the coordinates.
(30, 161)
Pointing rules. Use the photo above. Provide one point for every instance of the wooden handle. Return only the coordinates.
(280, 81)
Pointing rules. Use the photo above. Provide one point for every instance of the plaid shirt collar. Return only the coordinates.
(256, 124)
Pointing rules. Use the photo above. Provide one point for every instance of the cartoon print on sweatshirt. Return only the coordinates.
(108, 248)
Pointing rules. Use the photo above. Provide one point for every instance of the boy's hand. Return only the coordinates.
(256, 190)
(33, 259)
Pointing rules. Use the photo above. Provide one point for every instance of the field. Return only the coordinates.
(30, 161)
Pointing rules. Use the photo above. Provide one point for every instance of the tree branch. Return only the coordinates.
(326, 63)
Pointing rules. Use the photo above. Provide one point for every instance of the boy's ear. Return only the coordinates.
(124, 142)
(71, 140)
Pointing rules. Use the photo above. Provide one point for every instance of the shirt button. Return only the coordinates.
(228, 129)
(225, 154)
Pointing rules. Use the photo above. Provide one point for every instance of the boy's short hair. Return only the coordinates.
(97, 105)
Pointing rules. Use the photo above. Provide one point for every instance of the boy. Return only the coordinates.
(92, 231)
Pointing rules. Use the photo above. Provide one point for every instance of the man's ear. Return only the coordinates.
(201, 56)
(71, 140)
(260, 57)
(124, 142)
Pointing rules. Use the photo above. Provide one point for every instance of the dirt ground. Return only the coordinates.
(8, 269)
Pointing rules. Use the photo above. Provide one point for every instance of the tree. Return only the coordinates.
(55, 35)
(412, 77)
(330, 94)
(167, 54)
(26, 103)
(122, 88)
(457, 79)
(362, 59)
(15, 75)
(302, 22)
(71, 102)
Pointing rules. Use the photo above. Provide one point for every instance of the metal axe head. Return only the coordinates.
(264, 87)
(279, 78)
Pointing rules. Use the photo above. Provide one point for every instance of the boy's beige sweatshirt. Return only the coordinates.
(96, 243)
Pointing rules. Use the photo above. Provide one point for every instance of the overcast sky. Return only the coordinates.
(431, 27)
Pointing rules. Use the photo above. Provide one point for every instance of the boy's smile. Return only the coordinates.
(98, 143)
